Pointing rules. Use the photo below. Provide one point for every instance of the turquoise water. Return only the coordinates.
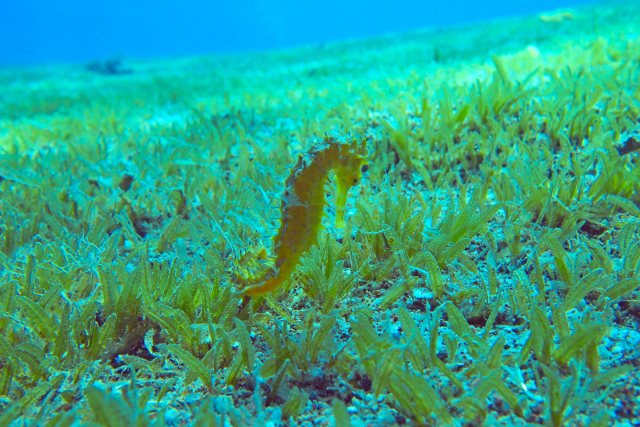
(33, 31)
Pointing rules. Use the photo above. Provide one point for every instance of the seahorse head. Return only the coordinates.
(348, 172)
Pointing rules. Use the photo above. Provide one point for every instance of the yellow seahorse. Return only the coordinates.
(303, 202)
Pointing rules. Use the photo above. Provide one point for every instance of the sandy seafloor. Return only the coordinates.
(131, 192)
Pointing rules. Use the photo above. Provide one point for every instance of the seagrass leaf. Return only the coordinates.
(320, 337)
(395, 293)
(609, 377)
(295, 404)
(570, 346)
(340, 414)
(461, 327)
(582, 288)
(191, 362)
(385, 368)
(245, 343)
(126, 307)
(564, 269)
(622, 287)
(36, 316)
(494, 357)
(110, 291)
(62, 337)
(625, 204)
(435, 276)
(277, 381)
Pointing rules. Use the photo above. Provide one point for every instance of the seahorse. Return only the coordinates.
(303, 202)
(252, 262)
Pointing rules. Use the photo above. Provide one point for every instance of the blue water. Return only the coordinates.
(33, 31)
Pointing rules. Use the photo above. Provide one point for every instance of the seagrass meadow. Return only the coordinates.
(486, 272)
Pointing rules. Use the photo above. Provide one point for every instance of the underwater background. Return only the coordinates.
(319, 214)
(33, 31)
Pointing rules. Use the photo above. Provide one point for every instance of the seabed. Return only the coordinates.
(487, 273)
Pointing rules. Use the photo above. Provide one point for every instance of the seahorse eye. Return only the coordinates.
(355, 181)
